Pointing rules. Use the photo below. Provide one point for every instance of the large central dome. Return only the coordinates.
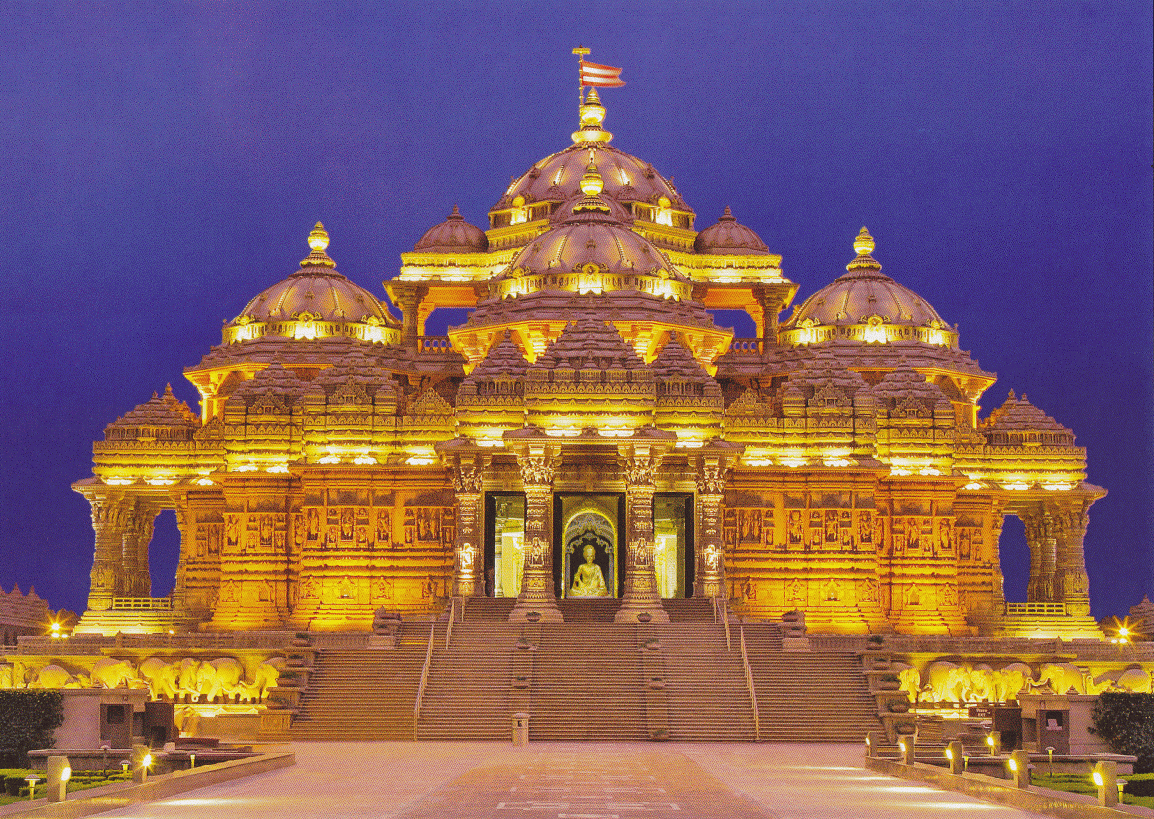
(540, 191)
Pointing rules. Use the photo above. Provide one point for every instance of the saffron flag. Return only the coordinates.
(602, 76)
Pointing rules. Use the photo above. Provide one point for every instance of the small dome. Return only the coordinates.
(729, 236)
(454, 235)
(865, 305)
(317, 290)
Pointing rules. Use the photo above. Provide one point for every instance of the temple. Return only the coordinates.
(590, 431)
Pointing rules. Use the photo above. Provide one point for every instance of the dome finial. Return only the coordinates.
(592, 116)
(863, 245)
(591, 182)
(318, 242)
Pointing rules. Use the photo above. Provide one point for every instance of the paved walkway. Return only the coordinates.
(476, 780)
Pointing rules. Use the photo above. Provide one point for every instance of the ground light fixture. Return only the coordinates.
(191, 761)
(1121, 787)
(1050, 752)
(124, 763)
(31, 780)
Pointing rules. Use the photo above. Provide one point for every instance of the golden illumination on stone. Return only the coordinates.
(344, 461)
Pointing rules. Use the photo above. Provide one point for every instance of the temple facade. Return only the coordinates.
(589, 431)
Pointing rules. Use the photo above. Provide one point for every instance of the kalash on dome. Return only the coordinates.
(589, 439)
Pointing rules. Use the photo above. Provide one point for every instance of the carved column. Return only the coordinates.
(409, 296)
(467, 467)
(135, 580)
(768, 303)
(109, 514)
(994, 556)
(538, 462)
(639, 461)
(1071, 583)
(713, 462)
(1040, 537)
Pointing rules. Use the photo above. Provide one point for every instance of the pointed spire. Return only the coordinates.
(318, 242)
(864, 245)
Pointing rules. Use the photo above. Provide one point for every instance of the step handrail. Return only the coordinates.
(721, 609)
(452, 618)
(752, 690)
(424, 677)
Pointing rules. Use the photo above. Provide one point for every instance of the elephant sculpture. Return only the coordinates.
(54, 676)
(1010, 680)
(161, 676)
(221, 676)
(1062, 677)
(1135, 680)
(186, 678)
(982, 685)
(112, 673)
(909, 680)
(265, 677)
(946, 681)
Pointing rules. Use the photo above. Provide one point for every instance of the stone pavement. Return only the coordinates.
(545, 780)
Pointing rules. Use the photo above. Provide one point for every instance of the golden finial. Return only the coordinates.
(592, 117)
(591, 182)
(864, 245)
(318, 242)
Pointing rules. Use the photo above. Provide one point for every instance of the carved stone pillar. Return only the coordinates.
(467, 467)
(1040, 537)
(994, 556)
(538, 461)
(639, 461)
(135, 580)
(109, 515)
(1071, 583)
(713, 463)
(409, 296)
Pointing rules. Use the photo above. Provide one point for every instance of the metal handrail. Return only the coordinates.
(452, 619)
(721, 609)
(752, 690)
(424, 677)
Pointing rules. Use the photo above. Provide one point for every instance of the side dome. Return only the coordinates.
(729, 236)
(314, 302)
(454, 235)
(866, 306)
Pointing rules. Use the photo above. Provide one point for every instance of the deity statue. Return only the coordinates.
(589, 581)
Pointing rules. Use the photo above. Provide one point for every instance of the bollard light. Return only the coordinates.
(31, 780)
(1121, 787)
(1050, 751)
(192, 760)
(146, 761)
(124, 763)
(966, 763)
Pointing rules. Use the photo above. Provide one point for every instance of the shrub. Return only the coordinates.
(1126, 722)
(27, 720)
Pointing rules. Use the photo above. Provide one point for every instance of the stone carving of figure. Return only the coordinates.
(796, 529)
(589, 581)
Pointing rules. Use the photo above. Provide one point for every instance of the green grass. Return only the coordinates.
(1081, 783)
(82, 780)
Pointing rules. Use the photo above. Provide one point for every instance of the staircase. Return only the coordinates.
(587, 679)
(364, 694)
(808, 696)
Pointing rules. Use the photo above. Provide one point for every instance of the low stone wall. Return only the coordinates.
(1000, 791)
(113, 797)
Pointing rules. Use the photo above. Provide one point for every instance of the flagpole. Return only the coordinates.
(580, 51)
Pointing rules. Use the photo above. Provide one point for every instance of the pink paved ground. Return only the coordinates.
(455, 780)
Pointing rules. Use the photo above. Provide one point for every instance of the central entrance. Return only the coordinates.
(589, 530)
(589, 544)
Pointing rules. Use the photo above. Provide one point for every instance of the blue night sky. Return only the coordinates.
(164, 162)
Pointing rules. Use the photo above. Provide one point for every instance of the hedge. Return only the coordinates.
(1126, 722)
(27, 720)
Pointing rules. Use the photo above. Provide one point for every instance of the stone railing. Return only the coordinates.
(142, 603)
(95, 643)
(1035, 609)
(438, 344)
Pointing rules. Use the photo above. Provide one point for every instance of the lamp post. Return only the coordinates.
(31, 780)
(1050, 752)
(191, 761)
